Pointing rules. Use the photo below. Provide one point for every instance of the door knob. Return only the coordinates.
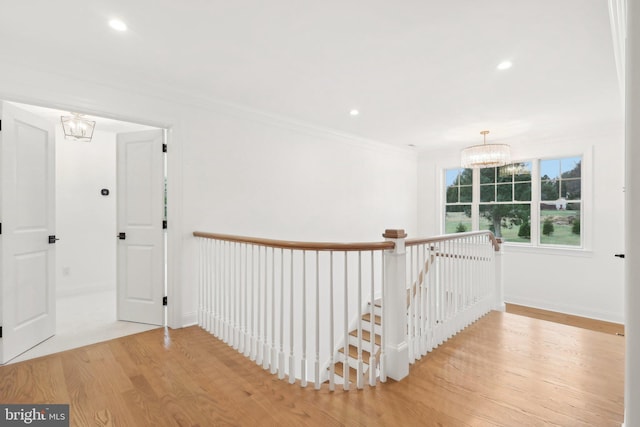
(122, 236)
(619, 255)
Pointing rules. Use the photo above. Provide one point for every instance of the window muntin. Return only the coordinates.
(505, 201)
(507, 198)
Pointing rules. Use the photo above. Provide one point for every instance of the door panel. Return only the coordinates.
(140, 216)
(27, 206)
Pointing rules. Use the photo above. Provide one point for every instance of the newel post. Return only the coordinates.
(499, 280)
(394, 307)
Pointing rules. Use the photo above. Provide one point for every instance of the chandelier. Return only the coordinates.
(77, 127)
(486, 155)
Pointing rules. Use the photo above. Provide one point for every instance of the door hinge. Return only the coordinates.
(0, 228)
(164, 224)
(164, 148)
(0, 125)
(164, 300)
(0, 331)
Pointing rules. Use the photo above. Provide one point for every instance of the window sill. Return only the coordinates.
(546, 250)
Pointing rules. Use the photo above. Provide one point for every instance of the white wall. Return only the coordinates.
(249, 177)
(586, 283)
(243, 172)
(85, 220)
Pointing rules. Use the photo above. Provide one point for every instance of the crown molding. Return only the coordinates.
(170, 97)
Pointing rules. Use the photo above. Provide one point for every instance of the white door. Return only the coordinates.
(27, 213)
(140, 193)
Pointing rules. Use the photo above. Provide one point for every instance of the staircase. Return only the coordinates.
(255, 294)
(351, 360)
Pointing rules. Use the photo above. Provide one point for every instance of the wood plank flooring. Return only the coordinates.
(567, 319)
(504, 370)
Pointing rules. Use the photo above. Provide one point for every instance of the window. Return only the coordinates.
(458, 200)
(560, 194)
(532, 202)
(505, 201)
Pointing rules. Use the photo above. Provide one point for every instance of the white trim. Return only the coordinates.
(206, 103)
(189, 319)
(546, 250)
(174, 228)
(174, 185)
(86, 289)
(586, 202)
(568, 309)
(618, 21)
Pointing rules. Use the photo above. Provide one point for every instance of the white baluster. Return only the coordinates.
(292, 365)
(317, 357)
(246, 328)
(254, 306)
(372, 334)
(234, 296)
(281, 353)
(345, 364)
(383, 322)
(260, 352)
(265, 344)
(303, 361)
(360, 370)
(274, 349)
(211, 282)
(332, 361)
(226, 288)
(200, 242)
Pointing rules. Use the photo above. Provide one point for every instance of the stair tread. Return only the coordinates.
(353, 352)
(367, 317)
(366, 336)
(353, 373)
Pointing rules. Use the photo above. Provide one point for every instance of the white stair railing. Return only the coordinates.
(453, 280)
(342, 313)
(297, 309)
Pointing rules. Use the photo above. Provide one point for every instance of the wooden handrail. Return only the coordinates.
(444, 237)
(307, 246)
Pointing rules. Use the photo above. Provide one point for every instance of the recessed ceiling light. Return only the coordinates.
(354, 112)
(505, 65)
(118, 25)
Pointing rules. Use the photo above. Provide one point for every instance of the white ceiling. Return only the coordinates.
(421, 72)
(102, 124)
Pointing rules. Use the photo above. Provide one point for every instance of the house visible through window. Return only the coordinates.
(560, 201)
(507, 200)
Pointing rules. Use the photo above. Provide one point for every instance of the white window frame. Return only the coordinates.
(586, 201)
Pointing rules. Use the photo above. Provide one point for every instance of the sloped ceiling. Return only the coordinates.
(421, 73)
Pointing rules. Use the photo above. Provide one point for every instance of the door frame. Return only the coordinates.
(174, 245)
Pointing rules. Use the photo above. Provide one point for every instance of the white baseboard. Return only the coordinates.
(189, 319)
(568, 309)
(88, 289)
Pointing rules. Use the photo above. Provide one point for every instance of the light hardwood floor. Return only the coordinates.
(567, 319)
(504, 370)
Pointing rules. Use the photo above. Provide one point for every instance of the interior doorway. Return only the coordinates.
(86, 224)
